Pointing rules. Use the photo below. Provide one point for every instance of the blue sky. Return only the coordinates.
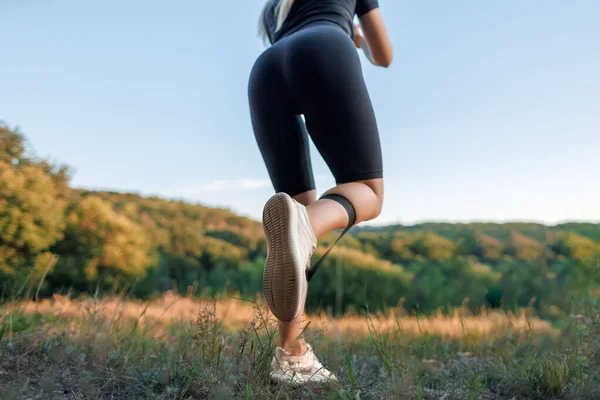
(490, 110)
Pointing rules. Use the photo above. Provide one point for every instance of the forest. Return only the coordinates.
(58, 239)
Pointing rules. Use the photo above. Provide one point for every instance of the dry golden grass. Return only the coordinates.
(183, 347)
(237, 314)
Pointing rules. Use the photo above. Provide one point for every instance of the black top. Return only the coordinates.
(304, 12)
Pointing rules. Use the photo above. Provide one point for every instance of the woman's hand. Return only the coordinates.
(358, 37)
(361, 43)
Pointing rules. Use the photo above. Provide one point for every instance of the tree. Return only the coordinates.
(480, 245)
(32, 202)
(576, 247)
(523, 248)
(12, 145)
(400, 248)
(487, 248)
(101, 245)
(434, 247)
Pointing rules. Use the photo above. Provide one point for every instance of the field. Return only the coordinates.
(177, 347)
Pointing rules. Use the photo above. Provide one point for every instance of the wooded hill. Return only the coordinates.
(86, 241)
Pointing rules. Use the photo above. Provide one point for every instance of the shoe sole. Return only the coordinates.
(284, 275)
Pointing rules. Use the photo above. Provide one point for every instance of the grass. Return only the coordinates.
(182, 348)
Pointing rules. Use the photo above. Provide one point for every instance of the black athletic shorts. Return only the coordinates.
(315, 72)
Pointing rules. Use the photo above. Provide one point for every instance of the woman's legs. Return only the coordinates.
(317, 74)
(326, 215)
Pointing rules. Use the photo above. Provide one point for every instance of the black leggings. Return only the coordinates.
(315, 72)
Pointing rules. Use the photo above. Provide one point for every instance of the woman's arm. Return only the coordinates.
(374, 39)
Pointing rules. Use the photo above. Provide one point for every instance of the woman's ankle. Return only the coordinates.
(295, 348)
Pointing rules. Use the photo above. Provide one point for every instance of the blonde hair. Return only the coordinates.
(281, 8)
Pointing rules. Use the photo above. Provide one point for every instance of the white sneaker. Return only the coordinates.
(291, 242)
(299, 370)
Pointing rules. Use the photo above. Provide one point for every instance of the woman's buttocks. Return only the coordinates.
(317, 60)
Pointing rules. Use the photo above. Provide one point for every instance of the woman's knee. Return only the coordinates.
(366, 196)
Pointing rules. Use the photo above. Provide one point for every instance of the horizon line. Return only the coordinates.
(369, 224)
